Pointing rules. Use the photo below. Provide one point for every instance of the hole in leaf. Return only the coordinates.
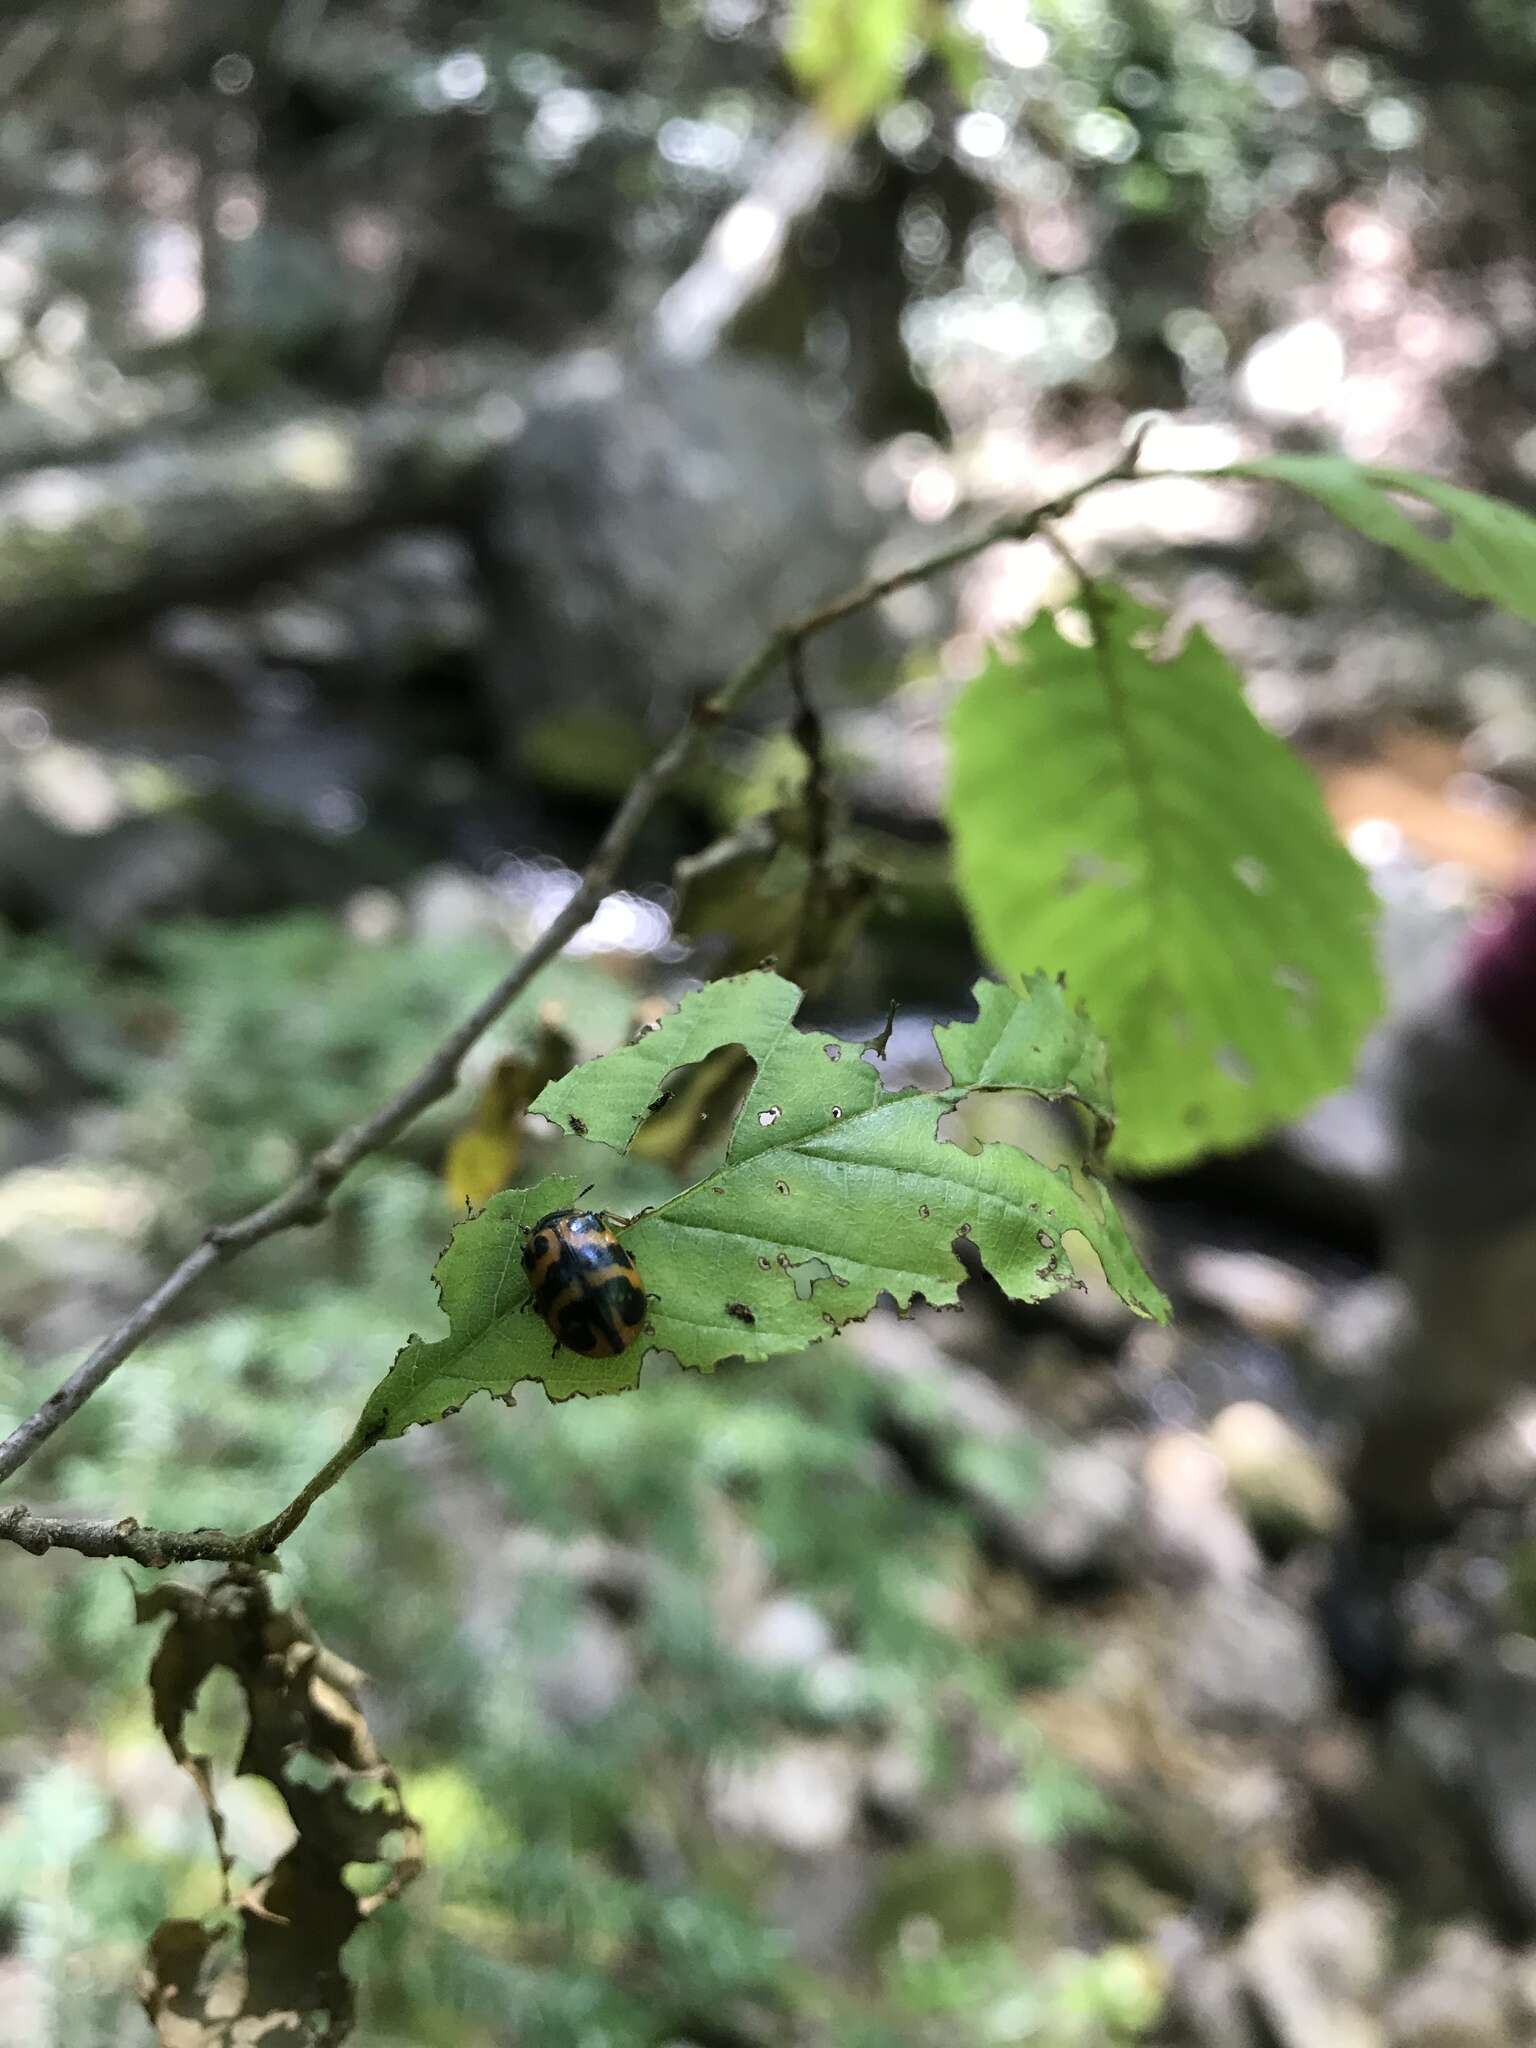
(1295, 982)
(924, 1211)
(1085, 869)
(837, 1113)
(1251, 873)
(781, 1187)
(807, 1274)
(833, 1052)
(953, 1128)
(769, 1116)
(1431, 521)
(695, 1104)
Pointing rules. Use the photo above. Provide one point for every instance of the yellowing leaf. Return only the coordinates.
(483, 1157)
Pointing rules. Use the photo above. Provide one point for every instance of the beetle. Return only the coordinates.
(584, 1283)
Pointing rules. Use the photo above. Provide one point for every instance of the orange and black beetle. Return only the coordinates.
(584, 1283)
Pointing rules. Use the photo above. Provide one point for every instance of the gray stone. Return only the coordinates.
(1194, 1532)
(306, 634)
(1314, 1965)
(1246, 1662)
(1205, 1989)
(1085, 1516)
(653, 524)
(1457, 1998)
(581, 1682)
(1282, 1485)
(1264, 1295)
(803, 1797)
(786, 1635)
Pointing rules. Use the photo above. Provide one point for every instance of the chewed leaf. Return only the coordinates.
(1037, 1032)
(833, 1192)
(1479, 546)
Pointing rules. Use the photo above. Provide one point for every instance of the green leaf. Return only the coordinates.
(853, 54)
(1129, 822)
(833, 1191)
(1479, 546)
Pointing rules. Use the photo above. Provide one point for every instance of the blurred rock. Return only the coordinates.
(1314, 1965)
(1263, 1295)
(653, 524)
(1357, 1327)
(1193, 1528)
(803, 1797)
(579, 1683)
(1086, 1515)
(1457, 1998)
(212, 643)
(896, 1777)
(1282, 1484)
(388, 613)
(301, 633)
(785, 1635)
(1205, 1989)
(100, 885)
(72, 1254)
(1246, 1662)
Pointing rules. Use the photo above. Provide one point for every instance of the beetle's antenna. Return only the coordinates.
(591, 1184)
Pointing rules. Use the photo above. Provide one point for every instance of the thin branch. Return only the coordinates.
(306, 1199)
(92, 1537)
(809, 738)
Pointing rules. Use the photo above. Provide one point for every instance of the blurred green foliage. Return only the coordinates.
(554, 1607)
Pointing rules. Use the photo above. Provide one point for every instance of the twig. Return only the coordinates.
(306, 1199)
(808, 737)
(158, 1547)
